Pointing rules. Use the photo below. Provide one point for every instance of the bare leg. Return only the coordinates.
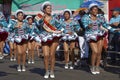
(37, 46)
(66, 53)
(11, 49)
(100, 46)
(15, 50)
(29, 50)
(94, 49)
(53, 48)
(24, 46)
(1, 49)
(33, 49)
(72, 56)
(2, 46)
(46, 48)
(19, 47)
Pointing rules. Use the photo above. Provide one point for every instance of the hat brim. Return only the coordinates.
(18, 12)
(68, 11)
(115, 10)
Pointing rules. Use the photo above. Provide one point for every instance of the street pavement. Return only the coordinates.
(36, 72)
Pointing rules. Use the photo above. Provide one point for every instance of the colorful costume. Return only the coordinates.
(45, 35)
(3, 28)
(95, 32)
(18, 35)
(73, 26)
(33, 33)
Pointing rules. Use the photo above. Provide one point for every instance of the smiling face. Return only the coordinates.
(20, 16)
(47, 9)
(94, 10)
(30, 21)
(67, 15)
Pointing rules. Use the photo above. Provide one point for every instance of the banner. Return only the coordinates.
(33, 6)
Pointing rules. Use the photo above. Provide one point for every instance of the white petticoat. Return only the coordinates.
(11, 37)
(45, 37)
(20, 39)
(95, 36)
(68, 37)
(34, 37)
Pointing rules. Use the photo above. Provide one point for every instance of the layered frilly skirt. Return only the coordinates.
(49, 37)
(3, 35)
(34, 37)
(68, 37)
(95, 35)
(19, 39)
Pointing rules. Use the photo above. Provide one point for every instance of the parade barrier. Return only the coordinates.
(105, 57)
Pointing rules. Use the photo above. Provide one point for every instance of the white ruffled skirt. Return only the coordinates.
(34, 37)
(21, 38)
(11, 37)
(68, 37)
(49, 37)
(95, 36)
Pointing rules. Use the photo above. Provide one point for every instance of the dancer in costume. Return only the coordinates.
(11, 39)
(33, 38)
(70, 27)
(50, 32)
(94, 34)
(20, 28)
(3, 33)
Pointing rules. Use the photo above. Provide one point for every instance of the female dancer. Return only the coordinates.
(20, 38)
(50, 31)
(70, 26)
(3, 33)
(94, 35)
(11, 41)
(33, 31)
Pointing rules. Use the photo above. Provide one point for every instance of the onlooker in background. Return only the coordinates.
(115, 38)
(13, 49)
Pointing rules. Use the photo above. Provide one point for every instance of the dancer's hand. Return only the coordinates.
(57, 32)
(70, 33)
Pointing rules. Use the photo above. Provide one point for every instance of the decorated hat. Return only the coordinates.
(28, 17)
(44, 4)
(18, 12)
(68, 11)
(92, 5)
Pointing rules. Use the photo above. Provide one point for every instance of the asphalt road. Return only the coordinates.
(36, 72)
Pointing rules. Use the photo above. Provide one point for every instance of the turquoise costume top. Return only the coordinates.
(17, 34)
(3, 22)
(55, 22)
(48, 36)
(32, 30)
(12, 27)
(86, 20)
(72, 27)
(33, 33)
(95, 32)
